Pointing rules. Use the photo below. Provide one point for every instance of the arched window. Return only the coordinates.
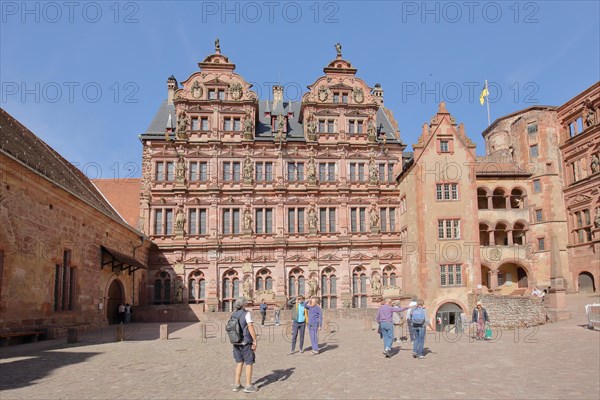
(196, 287)
(517, 198)
(162, 288)
(482, 199)
(484, 235)
(499, 198)
(359, 287)
(389, 276)
(500, 234)
(264, 281)
(518, 232)
(231, 289)
(296, 279)
(328, 288)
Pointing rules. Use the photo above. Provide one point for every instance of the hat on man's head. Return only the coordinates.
(412, 304)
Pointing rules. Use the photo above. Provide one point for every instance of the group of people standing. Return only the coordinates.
(124, 313)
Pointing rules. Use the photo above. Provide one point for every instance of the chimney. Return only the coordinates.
(172, 86)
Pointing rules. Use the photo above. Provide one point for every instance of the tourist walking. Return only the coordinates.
(244, 352)
(419, 322)
(277, 313)
(385, 319)
(480, 317)
(122, 313)
(315, 322)
(263, 311)
(127, 313)
(299, 318)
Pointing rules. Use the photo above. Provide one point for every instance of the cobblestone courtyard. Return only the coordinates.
(559, 360)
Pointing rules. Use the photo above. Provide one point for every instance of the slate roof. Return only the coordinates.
(18, 142)
(157, 127)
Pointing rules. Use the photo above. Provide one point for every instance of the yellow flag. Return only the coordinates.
(484, 93)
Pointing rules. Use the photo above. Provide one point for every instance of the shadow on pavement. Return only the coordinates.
(327, 347)
(275, 376)
(24, 372)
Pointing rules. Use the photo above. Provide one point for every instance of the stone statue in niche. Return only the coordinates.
(372, 131)
(248, 170)
(376, 285)
(597, 218)
(313, 287)
(373, 171)
(311, 171)
(180, 170)
(182, 126)
(179, 221)
(311, 128)
(595, 164)
(248, 220)
(248, 288)
(590, 118)
(374, 217)
(248, 124)
(312, 218)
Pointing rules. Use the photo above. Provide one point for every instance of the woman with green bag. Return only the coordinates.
(480, 317)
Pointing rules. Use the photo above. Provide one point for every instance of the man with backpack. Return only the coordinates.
(419, 322)
(240, 330)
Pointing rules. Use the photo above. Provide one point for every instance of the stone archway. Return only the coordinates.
(448, 317)
(114, 297)
(585, 282)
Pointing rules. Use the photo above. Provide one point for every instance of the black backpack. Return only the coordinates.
(234, 329)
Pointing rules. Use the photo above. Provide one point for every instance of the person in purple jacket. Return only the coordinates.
(315, 322)
(385, 319)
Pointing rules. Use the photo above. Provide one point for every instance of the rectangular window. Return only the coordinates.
(444, 148)
(64, 284)
(237, 125)
(537, 186)
(212, 94)
(330, 128)
(381, 172)
(587, 217)
(296, 220)
(264, 171)
(336, 97)
(204, 123)
(403, 204)
(387, 218)
(236, 172)
(227, 125)
(221, 94)
(231, 221)
(295, 172)
(168, 221)
(358, 221)
(345, 98)
(533, 151)
(359, 126)
(193, 176)
(263, 220)
(451, 275)
(321, 126)
(541, 244)
(327, 219)
(160, 171)
(532, 129)
(538, 215)
(158, 222)
(449, 229)
(352, 172)
(361, 172)
(327, 172)
(446, 191)
(390, 170)
(195, 124)
(197, 221)
(351, 124)
(170, 171)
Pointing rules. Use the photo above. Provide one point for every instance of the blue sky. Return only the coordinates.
(87, 77)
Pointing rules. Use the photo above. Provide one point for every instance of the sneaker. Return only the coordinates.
(237, 388)
(301, 351)
(421, 357)
(314, 352)
(293, 352)
(250, 389)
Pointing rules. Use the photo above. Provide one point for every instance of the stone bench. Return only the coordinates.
(5, 338)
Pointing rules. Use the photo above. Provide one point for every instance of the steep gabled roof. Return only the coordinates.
(22, 145)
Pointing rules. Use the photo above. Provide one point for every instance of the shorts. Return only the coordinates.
(244, 354)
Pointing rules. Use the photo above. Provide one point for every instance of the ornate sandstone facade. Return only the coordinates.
(270, 198)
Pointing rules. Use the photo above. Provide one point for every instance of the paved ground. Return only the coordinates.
(559, 360)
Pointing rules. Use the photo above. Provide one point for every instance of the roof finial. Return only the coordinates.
(338, 48)
(217, 46)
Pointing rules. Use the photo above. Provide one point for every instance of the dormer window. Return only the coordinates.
(221, 94)
(212, 94)
(340, 97)
(445, 145)
(444, 148)
(345, 98)
(336, 97)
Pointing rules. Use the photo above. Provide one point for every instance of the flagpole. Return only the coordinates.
(488, 101)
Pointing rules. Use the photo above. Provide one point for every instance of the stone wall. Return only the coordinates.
(510, 311)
